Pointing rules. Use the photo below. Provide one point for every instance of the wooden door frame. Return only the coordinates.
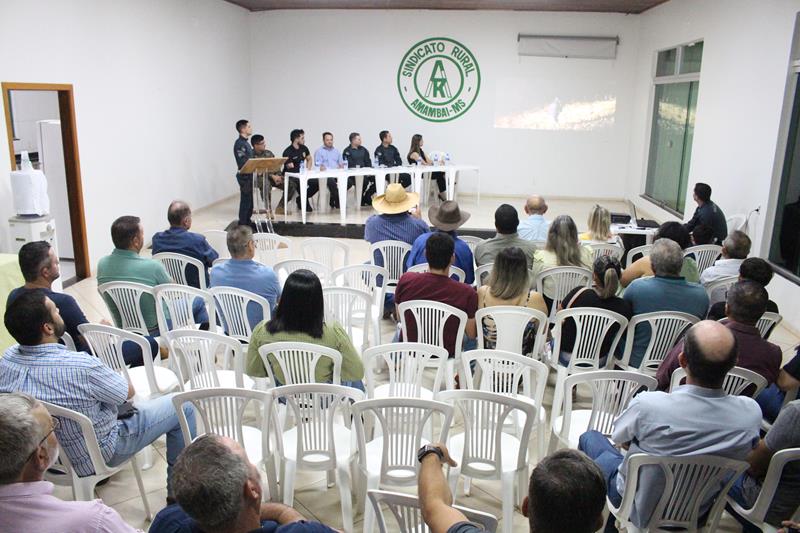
(69, 137)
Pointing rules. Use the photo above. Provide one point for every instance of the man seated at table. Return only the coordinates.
(179, 240)
(275, 179)
(356, 156)
(387, 155)
(446, 218)
(328, 157)
(295, 154)
(506, 222)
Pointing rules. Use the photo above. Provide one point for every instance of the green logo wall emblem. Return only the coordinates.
(438, 79)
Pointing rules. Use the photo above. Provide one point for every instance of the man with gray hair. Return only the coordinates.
(735, 249)
(219, 490)
(242, 272)
(28, 447)
(666, 291)
(178, 239)
(534, 228)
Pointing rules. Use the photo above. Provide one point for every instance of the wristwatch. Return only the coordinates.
(428, 449)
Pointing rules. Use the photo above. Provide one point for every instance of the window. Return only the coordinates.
(677, 81)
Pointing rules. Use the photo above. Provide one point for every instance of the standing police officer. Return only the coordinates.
(242, 151)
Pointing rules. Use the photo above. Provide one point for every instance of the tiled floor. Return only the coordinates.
(312, 497)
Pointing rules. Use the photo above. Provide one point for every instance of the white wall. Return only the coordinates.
(29, 107)
(337, 70)
(158, 87)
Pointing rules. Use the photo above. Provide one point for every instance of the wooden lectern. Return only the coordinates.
(261, 168)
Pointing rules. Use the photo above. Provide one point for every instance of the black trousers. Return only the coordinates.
(333, 189)
(245, 199)
(311, 190)
(368, 189)
(441, 182)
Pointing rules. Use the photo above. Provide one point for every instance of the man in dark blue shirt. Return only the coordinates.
(178, 239)
(242, 151)
(708, 214)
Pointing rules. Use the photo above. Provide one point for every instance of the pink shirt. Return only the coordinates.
(32, 507)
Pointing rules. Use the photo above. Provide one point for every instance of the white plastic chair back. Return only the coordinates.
(127, 299)
(508, 324)
(351, 308)
(269, 246)
(219, 261)
(69, 342)
(471, 241)
(366, 277)
(600, 249)
(175, 306)
(198, 353)
(666, 329)
(717, 290)
(330, 252)
(505, 373)
(455, 272)
(637, 253)
(767, 323)
(298, 361)
(592, 326)
(407, 511)
(736, 222)
(232, 304)
(284, 268)
(430, 319)
(688, 483)
(406, 363)
(738, 381)
(176, 267)
(704, 255)
(564, 279)
(482, 274)
(393, 254)
(402, 422)
(218, 240)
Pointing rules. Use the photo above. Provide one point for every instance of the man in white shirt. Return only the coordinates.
(735, 249)
(534, 228)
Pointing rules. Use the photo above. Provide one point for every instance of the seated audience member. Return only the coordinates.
(735, 249)
(751, 269)
(702, 234)
(534, 228)
(562, 249)
(40, 268)
(599, 226)
(436, 285)
(446, 218)
(509, 284)
(666, 291)
(29, 447)
(506, 222)
(275, 179)
(641, 268)
(299, 317)
(771, 399)
(417, 156)
(46, 370)
(708, 213)
(605, 275)
(785, 433)
(566, 493)
(219, 490)
(696, 419)
(125, 264)
(242, 272)
(746, 303)
(179, 240)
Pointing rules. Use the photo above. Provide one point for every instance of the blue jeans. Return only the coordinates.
(737, 492)
(608, 458)
(155, 418)
(771, 400)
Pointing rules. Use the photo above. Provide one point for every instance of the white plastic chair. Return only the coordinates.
(736, 222)
(393, 255)
(369, 278)
(298, 361)
(562, 281)
(513, 375)
(666, 329)
(737, 381)
(471, 241)
(485, 451)
(407, 362)
(318, 442)
(756, 513)
(390, 457)
(640, 251)
(176, 267)
(351, 308)
(600, 249)
(704, 255)
(232, 304)
(69, 342)
(284, 268)
(219, 261)
(83, 487)
(218, 240)
(611, 392)
(330, 252)
(482, 274)
(767, 323)
(407, 511)
(150, 380)
(717, 290)
(459, 273)
(197, 353)
(688, 483)
(127, 298)
(430, 319)
(175, 307)
(269, 246)
(222, 411)
(508, 325)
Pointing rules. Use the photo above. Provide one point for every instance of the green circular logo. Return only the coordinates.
(438, 79)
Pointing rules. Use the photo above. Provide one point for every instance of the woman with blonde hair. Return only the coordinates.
(599, 226)
(561, 249)
(416, 156)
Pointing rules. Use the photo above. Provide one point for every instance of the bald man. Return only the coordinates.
(178, 239)
(534, 228)
(695, 418)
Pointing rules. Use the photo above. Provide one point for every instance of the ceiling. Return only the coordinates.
(597, 6)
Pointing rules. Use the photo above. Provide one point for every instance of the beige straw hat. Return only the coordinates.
(396, 200)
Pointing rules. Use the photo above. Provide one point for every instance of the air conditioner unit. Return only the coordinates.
(585, 47)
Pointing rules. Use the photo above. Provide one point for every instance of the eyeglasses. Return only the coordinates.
(56, 423)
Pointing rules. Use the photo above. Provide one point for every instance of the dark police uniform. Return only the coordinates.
(390, 157)
(266, 154)
(359, 157)
(242, 151)
(296, 156)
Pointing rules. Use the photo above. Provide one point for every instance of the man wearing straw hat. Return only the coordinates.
(447, 218)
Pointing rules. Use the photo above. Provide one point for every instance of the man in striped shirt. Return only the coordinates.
(46, 370)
